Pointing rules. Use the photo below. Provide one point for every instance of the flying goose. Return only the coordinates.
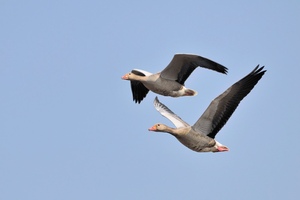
(170, 81)
(200, 136)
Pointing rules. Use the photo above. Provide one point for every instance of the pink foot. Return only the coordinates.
(222, 148)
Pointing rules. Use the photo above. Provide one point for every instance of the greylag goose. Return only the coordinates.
(170, 81)
(200, 136)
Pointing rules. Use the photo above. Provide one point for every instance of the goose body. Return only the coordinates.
(201, 136)
(170, 81)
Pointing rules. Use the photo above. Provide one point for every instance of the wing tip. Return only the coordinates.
(258, 70)
(224, 70)
(156, 103)
(138, 101)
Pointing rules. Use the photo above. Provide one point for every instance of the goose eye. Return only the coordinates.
(158, 124)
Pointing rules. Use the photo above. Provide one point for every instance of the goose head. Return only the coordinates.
(130, 76)
(159, 128)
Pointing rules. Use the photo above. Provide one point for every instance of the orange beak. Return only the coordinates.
(125, 77)
(153, 128)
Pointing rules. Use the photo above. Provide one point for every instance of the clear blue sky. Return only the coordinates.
(70, 130)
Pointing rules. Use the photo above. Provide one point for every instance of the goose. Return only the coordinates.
(170, 81)
(200, 136)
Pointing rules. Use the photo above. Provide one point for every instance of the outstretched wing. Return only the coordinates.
(139, 91)
(166, 112)
(222, 107)
(182, 65)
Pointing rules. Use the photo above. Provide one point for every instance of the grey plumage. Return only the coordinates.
(200, 136)
(222, 107)
(170, 81)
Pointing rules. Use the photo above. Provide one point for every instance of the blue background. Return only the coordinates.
(69, 128)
